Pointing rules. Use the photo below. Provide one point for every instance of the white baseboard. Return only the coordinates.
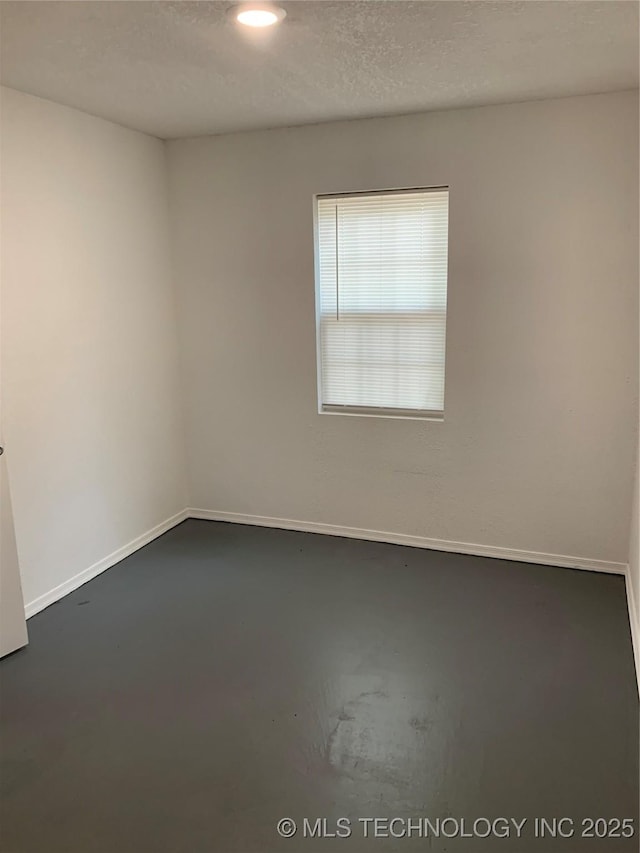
(562, 560)
(58, 592)
(634, 615)
(414, 541)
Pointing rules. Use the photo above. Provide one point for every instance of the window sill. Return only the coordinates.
(395, 414)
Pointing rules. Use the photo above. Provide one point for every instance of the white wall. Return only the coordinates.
(89, 371)
(537, 445)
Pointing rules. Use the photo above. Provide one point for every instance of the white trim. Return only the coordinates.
(58, 592)
(414, 541)
(634, 615)
(381, 412)
(563, 561)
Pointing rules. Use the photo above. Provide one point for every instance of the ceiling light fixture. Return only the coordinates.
(257, 14)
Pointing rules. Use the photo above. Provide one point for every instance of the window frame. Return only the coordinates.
(436, 416)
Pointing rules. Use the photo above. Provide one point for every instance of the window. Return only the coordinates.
(381, 261)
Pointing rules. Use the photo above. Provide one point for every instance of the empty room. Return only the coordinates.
(320, 415)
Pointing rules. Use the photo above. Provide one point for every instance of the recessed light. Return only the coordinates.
(257, 14)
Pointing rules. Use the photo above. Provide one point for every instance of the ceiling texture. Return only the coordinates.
(176, 69)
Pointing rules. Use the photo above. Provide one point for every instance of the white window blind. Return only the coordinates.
(382, 301)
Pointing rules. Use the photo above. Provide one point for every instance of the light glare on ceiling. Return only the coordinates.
(257, 18)
(258, 14)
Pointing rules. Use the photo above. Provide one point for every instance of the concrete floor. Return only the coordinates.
(226, 677)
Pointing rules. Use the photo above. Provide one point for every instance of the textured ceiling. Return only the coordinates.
(184, 69)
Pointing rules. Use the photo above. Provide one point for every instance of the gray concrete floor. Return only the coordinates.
(226, 677)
